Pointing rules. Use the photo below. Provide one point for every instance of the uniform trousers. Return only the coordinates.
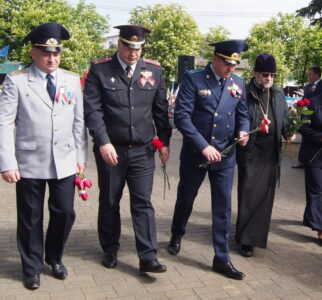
(221, 182)
(30, 212)
(313, 188)
(135, 168)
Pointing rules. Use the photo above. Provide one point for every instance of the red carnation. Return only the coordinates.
(157, 143)
(87, 183)
(83, 194)
(306, 101)
(301, 103)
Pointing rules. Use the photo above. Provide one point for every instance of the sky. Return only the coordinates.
(237, 16)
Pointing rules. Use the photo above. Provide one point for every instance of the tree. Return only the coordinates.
(215, 34)
(313, 11)
(293, 44)
(174, 33)
(87, 28)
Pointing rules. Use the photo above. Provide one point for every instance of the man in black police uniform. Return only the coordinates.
(125, 101)
(211, 108)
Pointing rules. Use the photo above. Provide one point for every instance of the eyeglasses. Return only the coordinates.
(265, 75)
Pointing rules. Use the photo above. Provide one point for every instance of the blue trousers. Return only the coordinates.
(221, 181)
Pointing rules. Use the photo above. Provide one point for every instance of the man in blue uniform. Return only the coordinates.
(125, 104)
(210, 113)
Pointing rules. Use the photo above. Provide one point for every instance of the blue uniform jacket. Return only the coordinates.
(205, 117)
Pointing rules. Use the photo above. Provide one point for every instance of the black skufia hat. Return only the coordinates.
(265, 63)
(48, 37)
(230, 50)
(132, 36)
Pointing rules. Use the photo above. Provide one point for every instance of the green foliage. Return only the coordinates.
(313, 11)
(215, 34)
(86, 26)
(174, 33)
(293, 44)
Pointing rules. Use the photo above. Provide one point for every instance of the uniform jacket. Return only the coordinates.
(280, 111)
(205, 117)
(312, 135)
(123, 111)
(308, 92)
(41, 139)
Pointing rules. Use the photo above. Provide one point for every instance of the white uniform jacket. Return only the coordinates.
(43, 140)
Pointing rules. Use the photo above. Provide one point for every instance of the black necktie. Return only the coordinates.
(128, 72)
(51, 89)
(222, 83)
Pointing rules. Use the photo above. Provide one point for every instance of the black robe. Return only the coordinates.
(258, 168)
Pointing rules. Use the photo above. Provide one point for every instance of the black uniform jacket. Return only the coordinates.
(123, 111)
(312, 136)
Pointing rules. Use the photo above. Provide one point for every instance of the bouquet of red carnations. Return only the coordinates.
(82, 183)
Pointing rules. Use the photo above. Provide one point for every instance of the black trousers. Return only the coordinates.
(136, 168)
(30, 211)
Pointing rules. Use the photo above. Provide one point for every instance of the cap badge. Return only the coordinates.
(235, 56)
(134, 38)
(51, 42)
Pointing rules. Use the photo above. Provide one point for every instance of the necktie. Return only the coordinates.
(51, 89)
(222, 83)
(128, 72)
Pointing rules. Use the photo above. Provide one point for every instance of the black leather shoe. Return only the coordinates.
(298, 166)
(174, 245)
(246, 250)
(109, 260)
(31, 282)
(152, 266)
(227, 269)
(59, 271)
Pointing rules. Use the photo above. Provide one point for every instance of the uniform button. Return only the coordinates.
(215, 125)
(216, 114)
(130, 146)
(229, 113)
(131, 88)
(132, 127)
(132, 107)
(212, 137)
(54, 114)
(55, 129)
(228, 126)
(113, 88)
(55, 143)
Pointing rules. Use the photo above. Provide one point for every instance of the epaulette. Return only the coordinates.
(196, 71)
(102, 60)
(152, 62)
(18, 72)
(69, 72)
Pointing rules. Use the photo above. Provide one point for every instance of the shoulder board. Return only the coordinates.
(69, 72)
(196, 71)
(152, 62)
(236, 76)
(18, 72)
(102, 60)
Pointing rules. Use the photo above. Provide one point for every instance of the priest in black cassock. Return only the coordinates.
(259, 161)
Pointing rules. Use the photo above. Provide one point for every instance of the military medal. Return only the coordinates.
(146, 76)
(204, 92)
(112, 79)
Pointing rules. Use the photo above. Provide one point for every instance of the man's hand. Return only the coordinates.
(11, 176)
(244, 137)
(164, 154)
(109, 154)
(81, 168)
(211, 154)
